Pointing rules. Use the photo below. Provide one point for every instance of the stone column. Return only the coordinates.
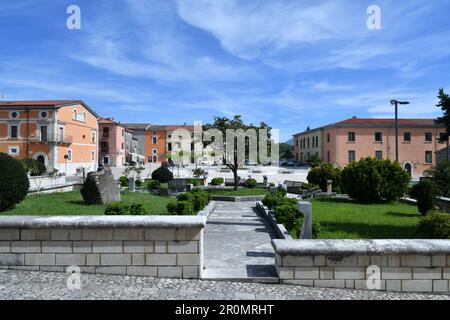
(132, 184)
(306, 209)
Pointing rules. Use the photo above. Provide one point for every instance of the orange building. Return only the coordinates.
(61, 134)
(352, 139)
(160, 142)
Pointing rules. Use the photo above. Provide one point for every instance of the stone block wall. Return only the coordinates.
(155, 247)
(403, 265)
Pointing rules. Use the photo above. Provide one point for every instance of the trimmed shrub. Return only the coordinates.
(137, 209)
(153, 185)
(321, 174)
(123, 181)
(250, 183)
(184, 208)
(371, 180)
(276, 199)
(314, 161)
(172, 207)
(14, 182)
(116, 209)
(441, 176)
(436, 225)
(287, 214)
(33, 167)
(217, 181)
(185, 197)
(123, 209)
(425, 192)
(162, 175)
(139, 183)
(194, 182)
(199, 201)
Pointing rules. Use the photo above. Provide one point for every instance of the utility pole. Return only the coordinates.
(396, 103)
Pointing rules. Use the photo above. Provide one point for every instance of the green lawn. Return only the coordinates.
(71, 203)
(343, 219)
(239, 193)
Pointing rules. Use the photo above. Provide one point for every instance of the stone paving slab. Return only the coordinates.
(237, 243)
(20, 285)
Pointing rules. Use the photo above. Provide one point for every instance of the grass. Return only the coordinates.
(71, 203)
(239, 193)
(344, 219)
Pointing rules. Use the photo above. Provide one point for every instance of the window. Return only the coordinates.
(428, 157)
(123, 146)
(378, 137)
(13, 151)
(296, 142)
(328, 156)
(442, 137)
(43, 115)
(407, 137)
(351, 156)
(123, 132)
(93, 137)
(74, 114)
(317, 141)
(93, 155)
(328, 137)
(428, 137)
(14, 132)
(104, 147)
(379, 155)
(106, 132)
(155, 152)
(154, 140)
(169, 146)
(69, 155)
(84, 117)
(351, 137)
(106, 160)
(308, 143)
(43, 133)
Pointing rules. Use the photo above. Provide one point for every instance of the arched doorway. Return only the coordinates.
(41, 159)
(408, 167)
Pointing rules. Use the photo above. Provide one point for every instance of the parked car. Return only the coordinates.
(250, 163)
(292, 163)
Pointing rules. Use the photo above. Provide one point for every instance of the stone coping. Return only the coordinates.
(360, 247)
(101, 222)
(237, 198)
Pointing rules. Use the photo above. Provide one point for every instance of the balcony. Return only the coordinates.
(58, 138)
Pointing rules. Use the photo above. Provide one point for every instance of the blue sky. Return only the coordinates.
(292, 63)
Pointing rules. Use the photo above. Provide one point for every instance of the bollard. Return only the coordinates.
(132, 184)
(306, 208)
(329, 186)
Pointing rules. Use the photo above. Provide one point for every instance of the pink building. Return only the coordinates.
(352, 139)
(112, 138)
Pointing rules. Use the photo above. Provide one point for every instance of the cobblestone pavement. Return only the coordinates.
(38, 285)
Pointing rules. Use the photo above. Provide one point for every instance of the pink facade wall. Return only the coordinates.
(116, 141)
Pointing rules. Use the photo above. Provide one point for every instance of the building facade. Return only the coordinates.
(309, 144)
(353, 139)
(60, 134)
(112, 143)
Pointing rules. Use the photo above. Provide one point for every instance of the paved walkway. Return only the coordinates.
(237, 244)
(52, 286)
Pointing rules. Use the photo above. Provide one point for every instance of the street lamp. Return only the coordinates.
(396, 103)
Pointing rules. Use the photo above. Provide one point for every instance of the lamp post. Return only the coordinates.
(396, 103)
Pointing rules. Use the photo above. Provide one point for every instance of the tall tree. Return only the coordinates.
(231, 158)
(444, 104)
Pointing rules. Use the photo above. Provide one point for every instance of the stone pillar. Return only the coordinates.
(329, 186)
(265, 180)
(273, 189)
(132, 184)
(306, 209)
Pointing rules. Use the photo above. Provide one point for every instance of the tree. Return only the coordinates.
(286, 151)
(314, 161)
(232, 158)
(14, 182)
(444, 104)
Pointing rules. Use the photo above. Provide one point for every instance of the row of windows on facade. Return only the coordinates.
(106, 132)
(15, 151)
(16, 115)
(351, 137)
(43, 133)
(378, 155)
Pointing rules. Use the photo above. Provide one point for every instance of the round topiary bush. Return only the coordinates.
(371, 180)
(33, 167)
(14, 182)
(123, 181)
(217, 181)
(162, 175)
(321, 174)
(153, 185)
(425, 192)
(250, 183)
(435, 226)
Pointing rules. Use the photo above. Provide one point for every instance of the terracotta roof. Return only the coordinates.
(377, 122)
(38, 103)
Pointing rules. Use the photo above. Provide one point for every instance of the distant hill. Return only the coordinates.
(291, 142)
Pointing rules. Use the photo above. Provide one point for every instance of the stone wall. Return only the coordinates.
(156, 246)
(404, 265)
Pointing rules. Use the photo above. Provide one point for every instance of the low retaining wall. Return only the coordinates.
(155, 246)
(237, 199)
(281, 231)
(399, 265)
